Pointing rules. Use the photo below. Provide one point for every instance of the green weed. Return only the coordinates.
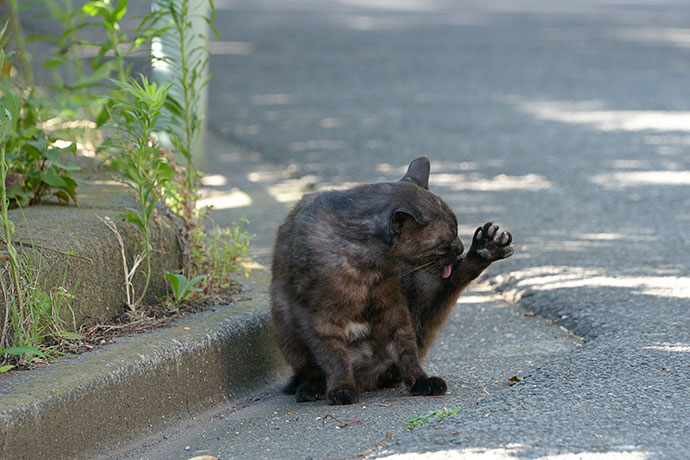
(19, 351)
(136, 157)
(37, 169)
(33, 168)
(432, 416)
(20, 41)
(33, 317)
(182, 288)
(216, 252)
(83, 85)
(187, 69)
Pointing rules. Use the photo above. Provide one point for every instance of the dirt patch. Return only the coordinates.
(147, 318)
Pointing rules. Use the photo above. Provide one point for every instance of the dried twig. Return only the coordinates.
(48, 248)
(129, 274)
(341, 424)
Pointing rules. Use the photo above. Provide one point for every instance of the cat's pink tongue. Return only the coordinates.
(447, 270)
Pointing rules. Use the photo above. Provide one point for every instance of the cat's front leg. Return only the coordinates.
(390, 378)
(328, 344)
(403, 348)
(487, 247)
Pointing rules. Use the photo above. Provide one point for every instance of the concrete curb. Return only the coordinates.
(94, 270)
(139, 384)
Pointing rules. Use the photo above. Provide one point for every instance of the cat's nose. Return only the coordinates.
(457, 246)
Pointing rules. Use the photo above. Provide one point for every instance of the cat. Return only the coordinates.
(362, 281)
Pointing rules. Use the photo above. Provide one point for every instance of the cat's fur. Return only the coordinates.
(363, 279)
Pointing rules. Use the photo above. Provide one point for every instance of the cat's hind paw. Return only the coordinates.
(489, 245)
(342, 395)
(310, 391)
(391, 378)
(430, 386)
(291, 387)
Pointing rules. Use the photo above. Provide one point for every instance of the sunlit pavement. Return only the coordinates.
(567, 124)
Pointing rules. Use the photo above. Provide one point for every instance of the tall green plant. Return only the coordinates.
(34, 315)
(181, 57)
(21, 42)
(7, 225)
(137, 159)
(186, 66)
(118, 42)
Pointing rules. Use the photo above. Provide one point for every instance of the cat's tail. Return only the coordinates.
(292, 385)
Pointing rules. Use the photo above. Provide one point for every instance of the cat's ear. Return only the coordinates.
(418, 172)
(401, 217)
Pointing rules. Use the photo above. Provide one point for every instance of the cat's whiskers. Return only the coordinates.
(411, 270)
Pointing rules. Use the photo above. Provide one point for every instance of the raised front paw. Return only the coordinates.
(489, 245)
(429, 386)
(345, 394)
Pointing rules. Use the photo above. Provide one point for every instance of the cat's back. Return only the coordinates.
(330, 228)
(334, 214)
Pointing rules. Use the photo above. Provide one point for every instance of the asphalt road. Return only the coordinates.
(569, 124)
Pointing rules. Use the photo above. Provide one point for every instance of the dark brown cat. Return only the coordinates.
(363, 279)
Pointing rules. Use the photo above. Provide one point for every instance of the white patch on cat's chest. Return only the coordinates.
(356, 331)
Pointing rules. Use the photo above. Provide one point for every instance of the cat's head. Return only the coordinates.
(421, 229)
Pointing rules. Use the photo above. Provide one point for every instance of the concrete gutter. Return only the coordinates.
(79, 406)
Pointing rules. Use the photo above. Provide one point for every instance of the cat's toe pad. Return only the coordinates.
(342, 395)
(430, 386)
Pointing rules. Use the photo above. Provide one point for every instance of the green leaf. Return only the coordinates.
(103, 117)
(12, 105)
(4, 369)
(70, 32)
(190, 284)
(70, 188)
(42, 38)
(62, 196)
(20, 195)
(52, 179)
(98, 76)
(71, 335)
(176, 281)
(134, 218)
(52, 154)
(69, 166)
(5, 123)
(120, 9)
(52, 63)
(17, 351)
(93, 8)
(55, 10)
(72, 148)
